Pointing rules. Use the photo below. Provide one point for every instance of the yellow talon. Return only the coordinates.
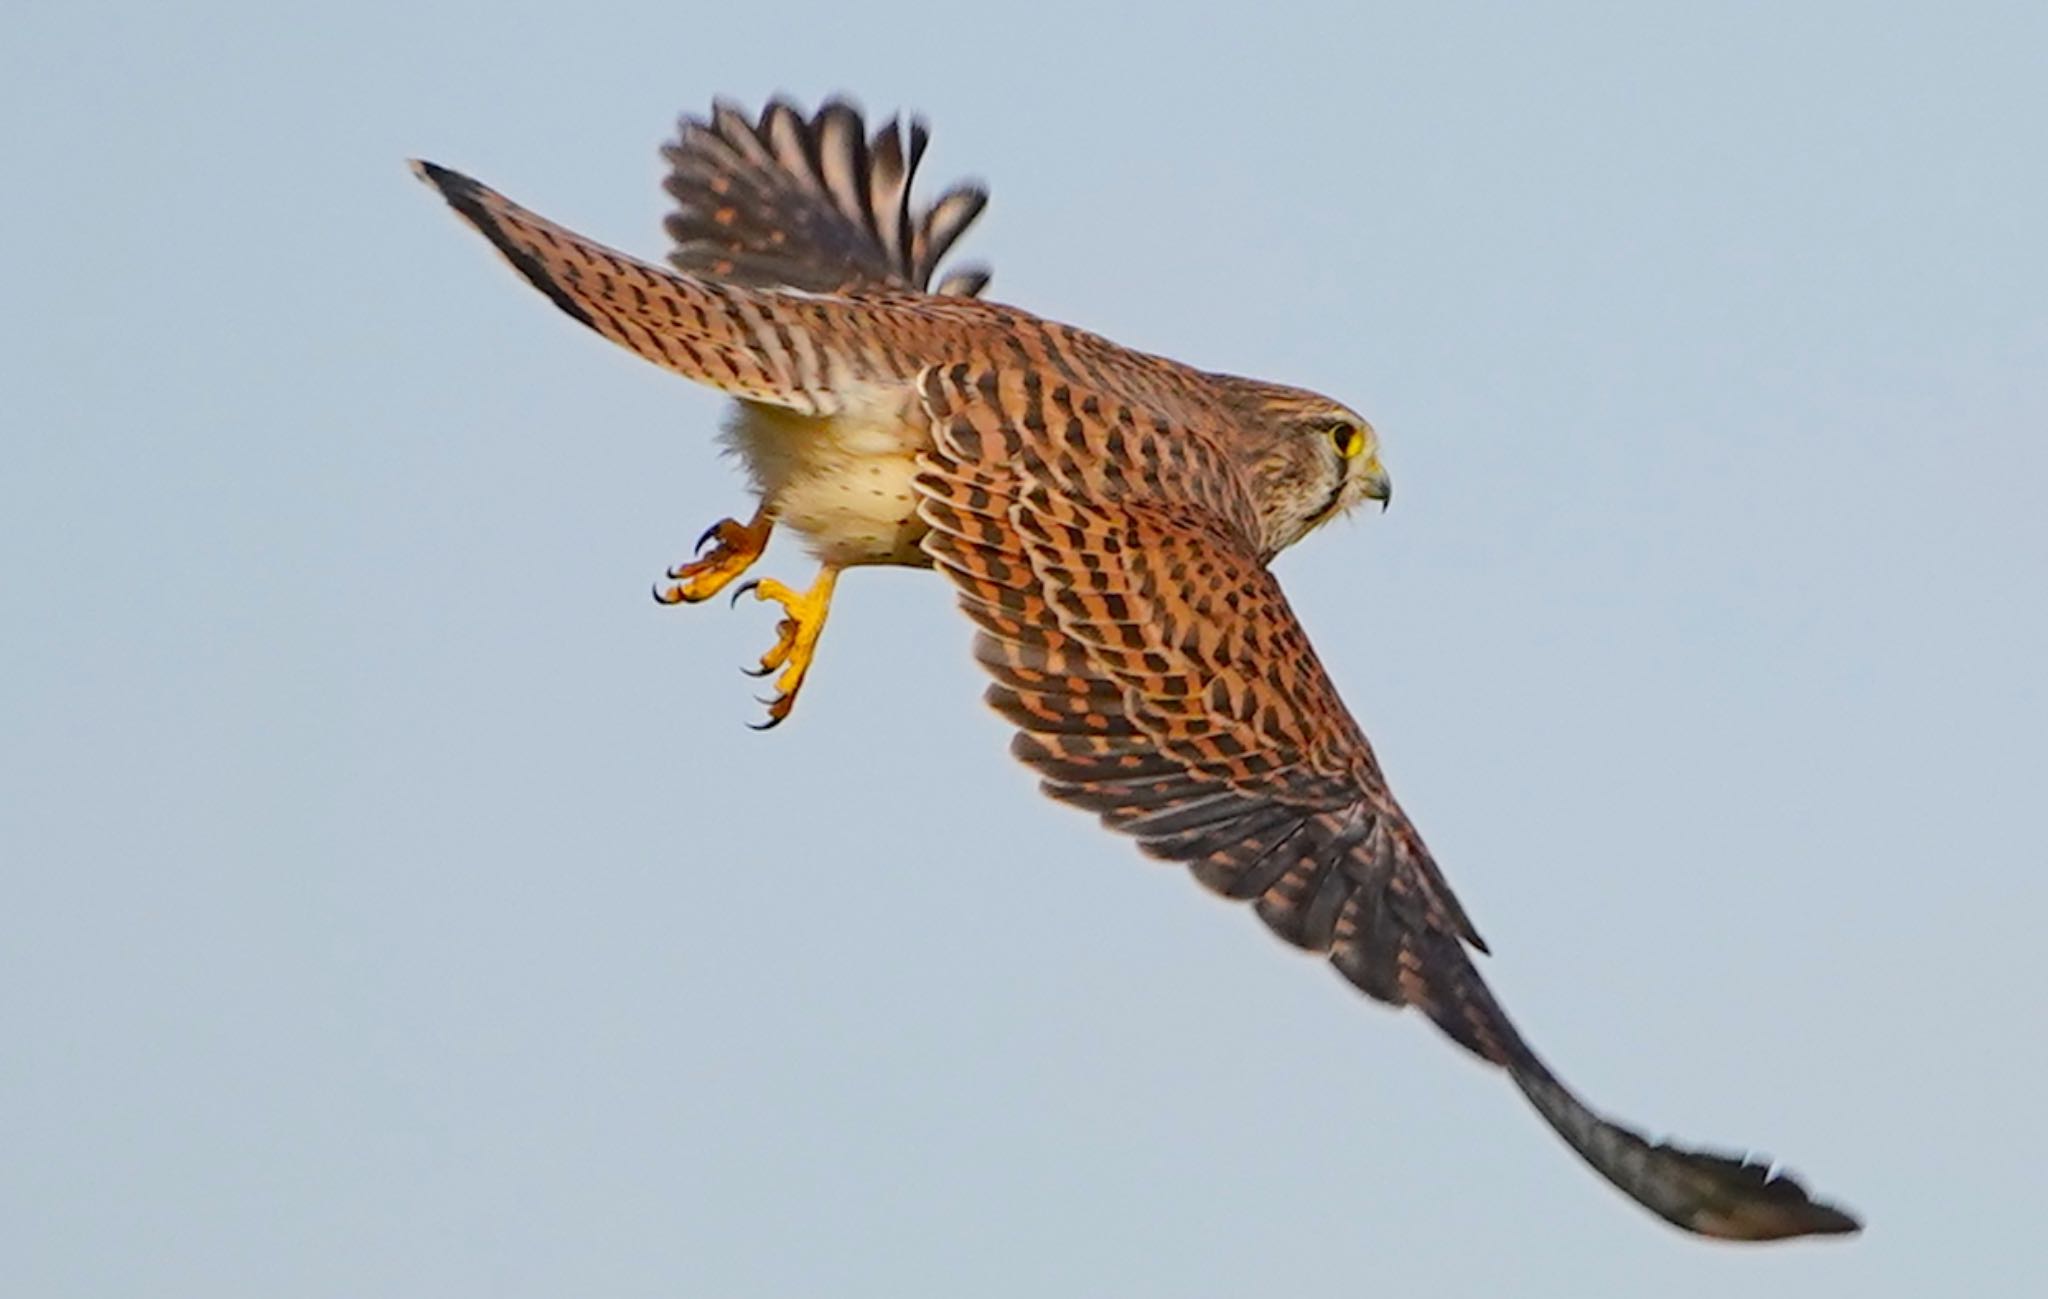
(739, 545)
(796, 640)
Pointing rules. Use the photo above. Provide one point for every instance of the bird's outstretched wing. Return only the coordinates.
(812, 203)
(1159, 679)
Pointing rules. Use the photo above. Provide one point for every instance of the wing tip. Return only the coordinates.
(1796, 1221)
(1759, 1201)
(474, 202)
(448, 182)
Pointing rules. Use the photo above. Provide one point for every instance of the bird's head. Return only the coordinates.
(1307, 459)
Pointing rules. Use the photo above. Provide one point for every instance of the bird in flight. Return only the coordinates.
(1107, 518)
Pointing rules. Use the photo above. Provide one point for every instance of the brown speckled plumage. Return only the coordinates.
(1107, 518)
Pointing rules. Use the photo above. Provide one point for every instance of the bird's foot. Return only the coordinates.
(796, 642)
(739, 545)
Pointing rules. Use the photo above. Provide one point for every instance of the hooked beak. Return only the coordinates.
(1378, 485)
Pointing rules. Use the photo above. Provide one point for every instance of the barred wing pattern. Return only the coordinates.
(1159, 679)
(813, 204)
(804, 352)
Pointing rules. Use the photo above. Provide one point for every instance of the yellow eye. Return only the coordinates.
(1348, 439)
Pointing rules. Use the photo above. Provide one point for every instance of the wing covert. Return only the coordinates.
(1158, 678)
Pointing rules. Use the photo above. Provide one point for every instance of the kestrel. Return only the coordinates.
(1107, 518)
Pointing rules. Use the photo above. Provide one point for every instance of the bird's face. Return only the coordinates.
(1316, 460)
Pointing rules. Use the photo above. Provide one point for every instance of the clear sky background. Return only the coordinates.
(393, 901)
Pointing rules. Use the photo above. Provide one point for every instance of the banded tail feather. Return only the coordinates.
(814, 204)
(1099, 513)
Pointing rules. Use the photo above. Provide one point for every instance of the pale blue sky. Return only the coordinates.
(395, 903)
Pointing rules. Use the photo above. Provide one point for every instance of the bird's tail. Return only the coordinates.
(812, 203)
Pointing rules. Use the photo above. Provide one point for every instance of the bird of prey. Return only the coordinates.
(1107, 518)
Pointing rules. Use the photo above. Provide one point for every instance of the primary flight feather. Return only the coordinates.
(1107, 518)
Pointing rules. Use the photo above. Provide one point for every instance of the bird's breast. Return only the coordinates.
(841, 481)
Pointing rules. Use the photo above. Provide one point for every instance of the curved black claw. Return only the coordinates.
(744, 588)
(661, 596)
(758, 672)
(769, 725)
(709, 533)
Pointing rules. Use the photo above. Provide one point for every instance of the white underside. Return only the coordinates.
(842, 482)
